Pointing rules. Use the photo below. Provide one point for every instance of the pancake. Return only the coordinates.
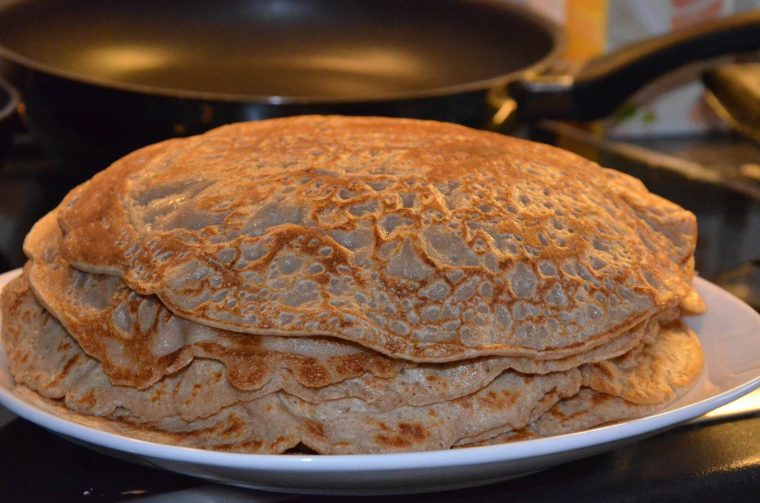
(196, 403)
(652, 374)
(671, 364)
(511, 401)
(354, 285)
(423, 241)
(137, 340)
(588, 409)
(199, 399)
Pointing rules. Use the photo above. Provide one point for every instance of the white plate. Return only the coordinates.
(730, 335)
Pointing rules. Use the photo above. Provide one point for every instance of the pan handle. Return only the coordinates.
(603, 85)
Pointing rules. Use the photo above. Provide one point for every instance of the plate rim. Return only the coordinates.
(356, 463)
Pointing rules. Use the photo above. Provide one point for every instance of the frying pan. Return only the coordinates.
(100, 78)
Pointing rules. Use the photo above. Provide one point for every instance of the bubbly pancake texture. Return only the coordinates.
(424, 241)
(354, 285)
(138, 341)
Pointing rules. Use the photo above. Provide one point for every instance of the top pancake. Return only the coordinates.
(433, 241)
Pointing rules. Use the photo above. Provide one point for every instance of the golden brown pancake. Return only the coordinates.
(421, 240)
(195, 403)
(354, 285)
(199, 398)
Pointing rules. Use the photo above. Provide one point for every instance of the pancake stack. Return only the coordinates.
(354, 285)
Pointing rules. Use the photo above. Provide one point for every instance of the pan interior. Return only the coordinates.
(287, 48)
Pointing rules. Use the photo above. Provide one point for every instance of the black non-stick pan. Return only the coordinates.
(99, 78)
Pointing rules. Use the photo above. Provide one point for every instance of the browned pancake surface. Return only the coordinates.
(422, 240)
(199, 407)
(137, 340)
